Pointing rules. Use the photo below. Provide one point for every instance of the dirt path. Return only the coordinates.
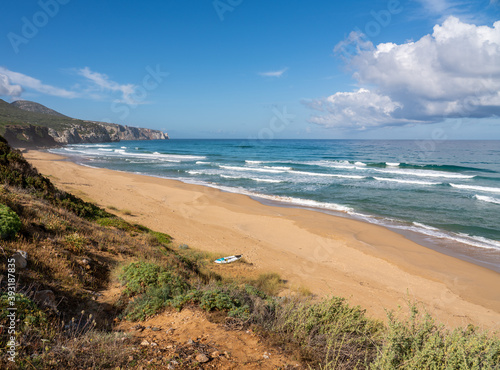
(189, 340)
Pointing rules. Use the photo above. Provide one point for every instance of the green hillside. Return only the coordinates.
(11, 115)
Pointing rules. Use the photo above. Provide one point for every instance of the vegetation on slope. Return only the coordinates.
(12, 115)
(73, 248)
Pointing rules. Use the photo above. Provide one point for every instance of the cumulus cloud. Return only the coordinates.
(273, 73)
(360, 109)
(102, 82)
(23, 81)
(453, 72)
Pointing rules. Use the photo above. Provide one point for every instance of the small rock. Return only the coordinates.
(20, 259)
(215, 354)
(183, 246)
(154, 344)
(190, 342)
(144, 343)
(201, 358)
(138, 327)
(131, 358)
(154, 328)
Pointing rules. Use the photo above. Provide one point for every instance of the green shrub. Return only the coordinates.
(418, 343)
(329, 331)
(115, 222)
(155, 288)
(217, 299)
(10, 223)
(148, 304)
(160, 238)
(138, 277)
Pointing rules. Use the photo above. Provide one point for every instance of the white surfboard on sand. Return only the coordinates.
(228, 259)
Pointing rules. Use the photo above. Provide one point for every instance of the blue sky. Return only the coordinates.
(417, 69)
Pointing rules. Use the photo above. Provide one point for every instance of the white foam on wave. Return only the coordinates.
(105, 149)
(162, 157)
(392, 164)
(256, 169)
(425, 173)
(278, 168)
(331, 164)
(360, 164)
(254, 162)
(307, 203)
(202, 162)
(418, 224)
(89, 145)
(414, 182)
(356, 177)
(471, 240)
(487, 199)
(476, 188)
(277, 198)
(258, 179)
(295, 201)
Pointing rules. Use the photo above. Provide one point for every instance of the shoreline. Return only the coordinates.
(453, 244)
(462, 251)
(368, 264)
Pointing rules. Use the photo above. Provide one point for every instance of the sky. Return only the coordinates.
(392, 69)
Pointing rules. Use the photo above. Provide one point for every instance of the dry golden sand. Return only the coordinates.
(369, 265)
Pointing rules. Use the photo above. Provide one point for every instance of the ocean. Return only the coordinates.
(444, 195)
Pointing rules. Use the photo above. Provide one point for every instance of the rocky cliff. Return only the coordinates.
(29, 124)
(122, 132)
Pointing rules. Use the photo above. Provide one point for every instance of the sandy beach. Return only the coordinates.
(369, 265)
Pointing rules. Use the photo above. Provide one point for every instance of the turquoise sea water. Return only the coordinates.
(444, 195)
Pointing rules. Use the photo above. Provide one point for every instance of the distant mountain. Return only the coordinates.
(31, 106)
(29, 124)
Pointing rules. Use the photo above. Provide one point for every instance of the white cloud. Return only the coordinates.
(360, 110)
(453, 72)
(439, 7)
(7, 89)
(97, 86)
(27, 82)
(273, 73)
(103, 82)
